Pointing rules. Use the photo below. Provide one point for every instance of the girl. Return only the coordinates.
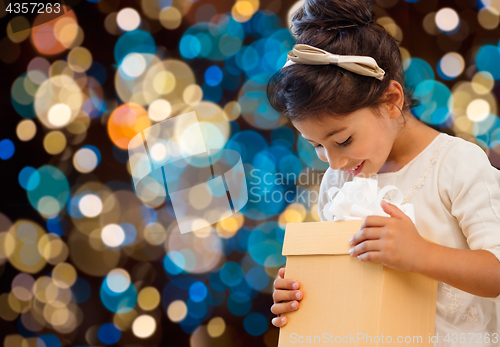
(356, 115)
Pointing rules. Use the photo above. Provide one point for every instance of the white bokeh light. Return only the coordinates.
(158, 152)
(447, 19)
(59, 115)
(133, 65)
(113, 235)
(144, 326)
(90, 205)
(452, 64)
(85, 160)
(118, 280)
(478, 110)
(159, 110)
(128, 19)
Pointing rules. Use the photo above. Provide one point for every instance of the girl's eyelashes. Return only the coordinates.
(346, 142)
(343, 144)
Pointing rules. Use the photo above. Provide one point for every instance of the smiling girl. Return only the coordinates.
(343, 89)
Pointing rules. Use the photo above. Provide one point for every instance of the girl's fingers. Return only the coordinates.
(281, 283)
(285, 307)
(279, 321)
(365, 246)
(286, 295)
(363, 234)
(281, 272)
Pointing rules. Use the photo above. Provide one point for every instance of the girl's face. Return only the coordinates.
(359, 138)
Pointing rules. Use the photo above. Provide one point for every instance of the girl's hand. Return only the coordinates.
(394, 241)
(286, 297)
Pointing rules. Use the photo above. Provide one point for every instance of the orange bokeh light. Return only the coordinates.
(44, 37)
(125, 122)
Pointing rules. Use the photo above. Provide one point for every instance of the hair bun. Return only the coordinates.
(331, 14)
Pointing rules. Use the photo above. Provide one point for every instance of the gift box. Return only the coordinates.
(347, 301)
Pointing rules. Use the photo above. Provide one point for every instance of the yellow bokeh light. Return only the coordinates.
(216, 327)
(123, 321)
(228, 226)
(164, 82)
(26, 257)
(192, 94)
(170, 18)
(20, 22)
(392, 28)
(15, 340)
(19, 306)
(148, 298)
(488, 18)
(314, 213)
(7, 245)
(54, 142)
(155, 234)
(6, 311)
(64, 275)
(232, 110)
(177, 311)
(67, 32)
(54, 250)
(79, 59)
(26, 130)
(483, 82)
(243, 10)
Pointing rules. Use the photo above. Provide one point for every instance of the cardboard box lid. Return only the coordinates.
(319, 237)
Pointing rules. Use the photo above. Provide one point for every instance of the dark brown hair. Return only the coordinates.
(303, 91)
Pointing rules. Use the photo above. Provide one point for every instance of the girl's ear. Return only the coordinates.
(395, 98)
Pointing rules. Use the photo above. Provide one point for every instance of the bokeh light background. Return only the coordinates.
(83, 259)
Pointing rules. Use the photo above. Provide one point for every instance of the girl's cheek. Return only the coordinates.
(322, 156)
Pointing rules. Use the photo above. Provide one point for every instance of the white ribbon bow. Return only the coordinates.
(362, 65)
(361, 198)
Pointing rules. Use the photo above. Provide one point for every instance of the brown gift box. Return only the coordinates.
(350, 302)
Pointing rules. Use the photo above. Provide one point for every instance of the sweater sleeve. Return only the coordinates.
(472, 187)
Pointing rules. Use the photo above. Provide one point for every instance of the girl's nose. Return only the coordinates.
(335, 161)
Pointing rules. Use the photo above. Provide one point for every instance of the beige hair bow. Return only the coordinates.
(362, 65)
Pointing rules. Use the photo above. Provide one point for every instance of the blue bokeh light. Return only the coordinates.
(198, 291)
(255, 324)
(487, 59)
(25, 179)
(7, 149)
(109, 334)
(265, 244)
(231, 274)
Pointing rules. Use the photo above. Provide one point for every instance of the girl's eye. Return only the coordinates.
(346, 142)
(318, 146)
